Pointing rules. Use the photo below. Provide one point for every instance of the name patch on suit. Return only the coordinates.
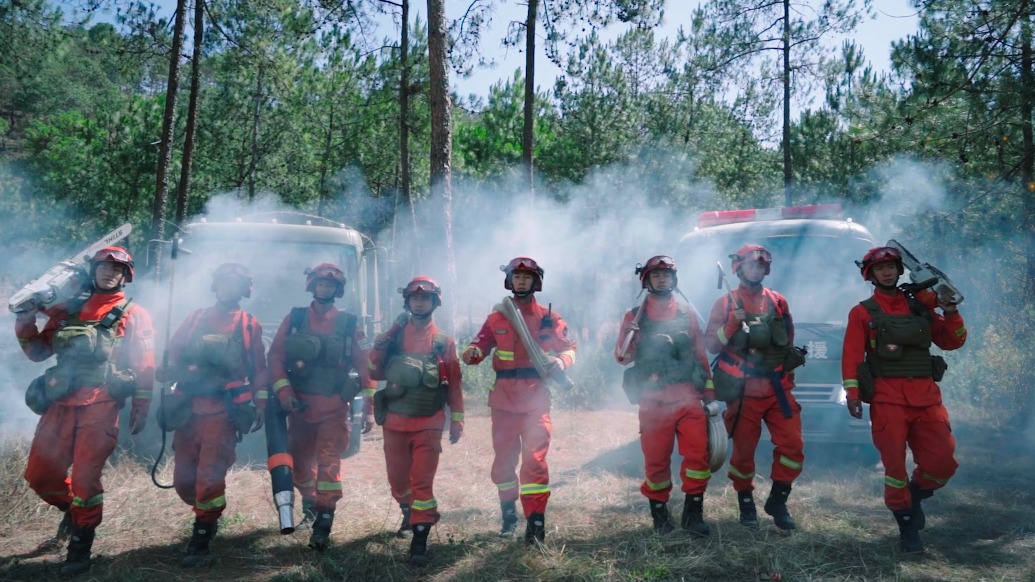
(501, 331)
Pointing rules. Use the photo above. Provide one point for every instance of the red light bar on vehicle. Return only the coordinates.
(717, 217)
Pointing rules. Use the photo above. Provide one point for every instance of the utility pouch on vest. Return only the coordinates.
(380, 407)
(58, 382)
(728, 380)
(174, 412)
(122, 384)
(795, 358)
(778, 333)
(759, 335)
(76, 341)
(895, 333)
(405, 372)
(938, 368)
(867, 384)
(36, 397)
(301, 351)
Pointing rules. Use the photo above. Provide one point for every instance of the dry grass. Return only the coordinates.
(980, 528)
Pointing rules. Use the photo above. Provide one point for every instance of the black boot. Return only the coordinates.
(535, 531)
(776, 505)
(79, 545)
(909, 536)
(308, 511)
(404, 530)
(509, 511)
(662, 522)
(197, 547)
(419, 544)
(693, 515)
(748, 513)
(321, 536)
(919, 495)
(65, 527)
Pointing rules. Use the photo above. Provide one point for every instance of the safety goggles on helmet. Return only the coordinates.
(415, 287)
(881, 254)
(113, 255)
(658, 262)
(760, 255)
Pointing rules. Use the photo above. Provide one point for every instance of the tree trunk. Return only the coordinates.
(253, 164)
(405, 196)
(787, 102)
(441, 133)
(325, 159)
(528, 131)
(1028, 163)
(183, 188)
(168, 129)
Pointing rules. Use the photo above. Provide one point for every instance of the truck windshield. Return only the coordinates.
(277, 270)
(814, 270)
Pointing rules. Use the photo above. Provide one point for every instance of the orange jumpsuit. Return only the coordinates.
(759, 403)
(905, 411)
(319, 435)
(81, 428)
(204, 448)
(673, 414)
(413, 443)
(520, 403)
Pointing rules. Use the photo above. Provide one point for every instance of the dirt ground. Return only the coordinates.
(981, 528)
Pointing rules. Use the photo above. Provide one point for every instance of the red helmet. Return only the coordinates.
(234, 272)
(328, 271)
(420, 285)
(880, 255)
(522, 264)
(117, 255)
(751, 253)
(659, 262)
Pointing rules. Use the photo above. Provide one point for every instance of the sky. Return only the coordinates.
(893, 20)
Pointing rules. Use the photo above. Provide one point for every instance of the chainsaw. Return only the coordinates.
(64, 281)
(924, 272)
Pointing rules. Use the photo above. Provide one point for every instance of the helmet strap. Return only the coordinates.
(657, 292)
(523, 294)
(323, 300)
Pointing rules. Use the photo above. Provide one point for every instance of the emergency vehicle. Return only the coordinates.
(814, 249)
(278, 247)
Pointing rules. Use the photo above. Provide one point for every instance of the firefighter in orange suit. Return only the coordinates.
(886, 361)
(669, 380)
(520, 399)
(422, 374)
(105, 354)
(310, 359)
(753, 336)
(218, 362)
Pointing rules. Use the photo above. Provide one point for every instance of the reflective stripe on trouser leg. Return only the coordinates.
(692, 439)
(657, 437)
(933, 446)
(745, 440)
(789, 448)
(426, 448)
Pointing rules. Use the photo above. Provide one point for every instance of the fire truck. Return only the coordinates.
(278, 247)
(814, 249)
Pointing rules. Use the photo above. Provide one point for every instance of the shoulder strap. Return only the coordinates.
(298, 318)
(872, 306)
(345, 325)
(112, 318)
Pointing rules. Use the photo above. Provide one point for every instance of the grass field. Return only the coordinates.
(981, 527)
